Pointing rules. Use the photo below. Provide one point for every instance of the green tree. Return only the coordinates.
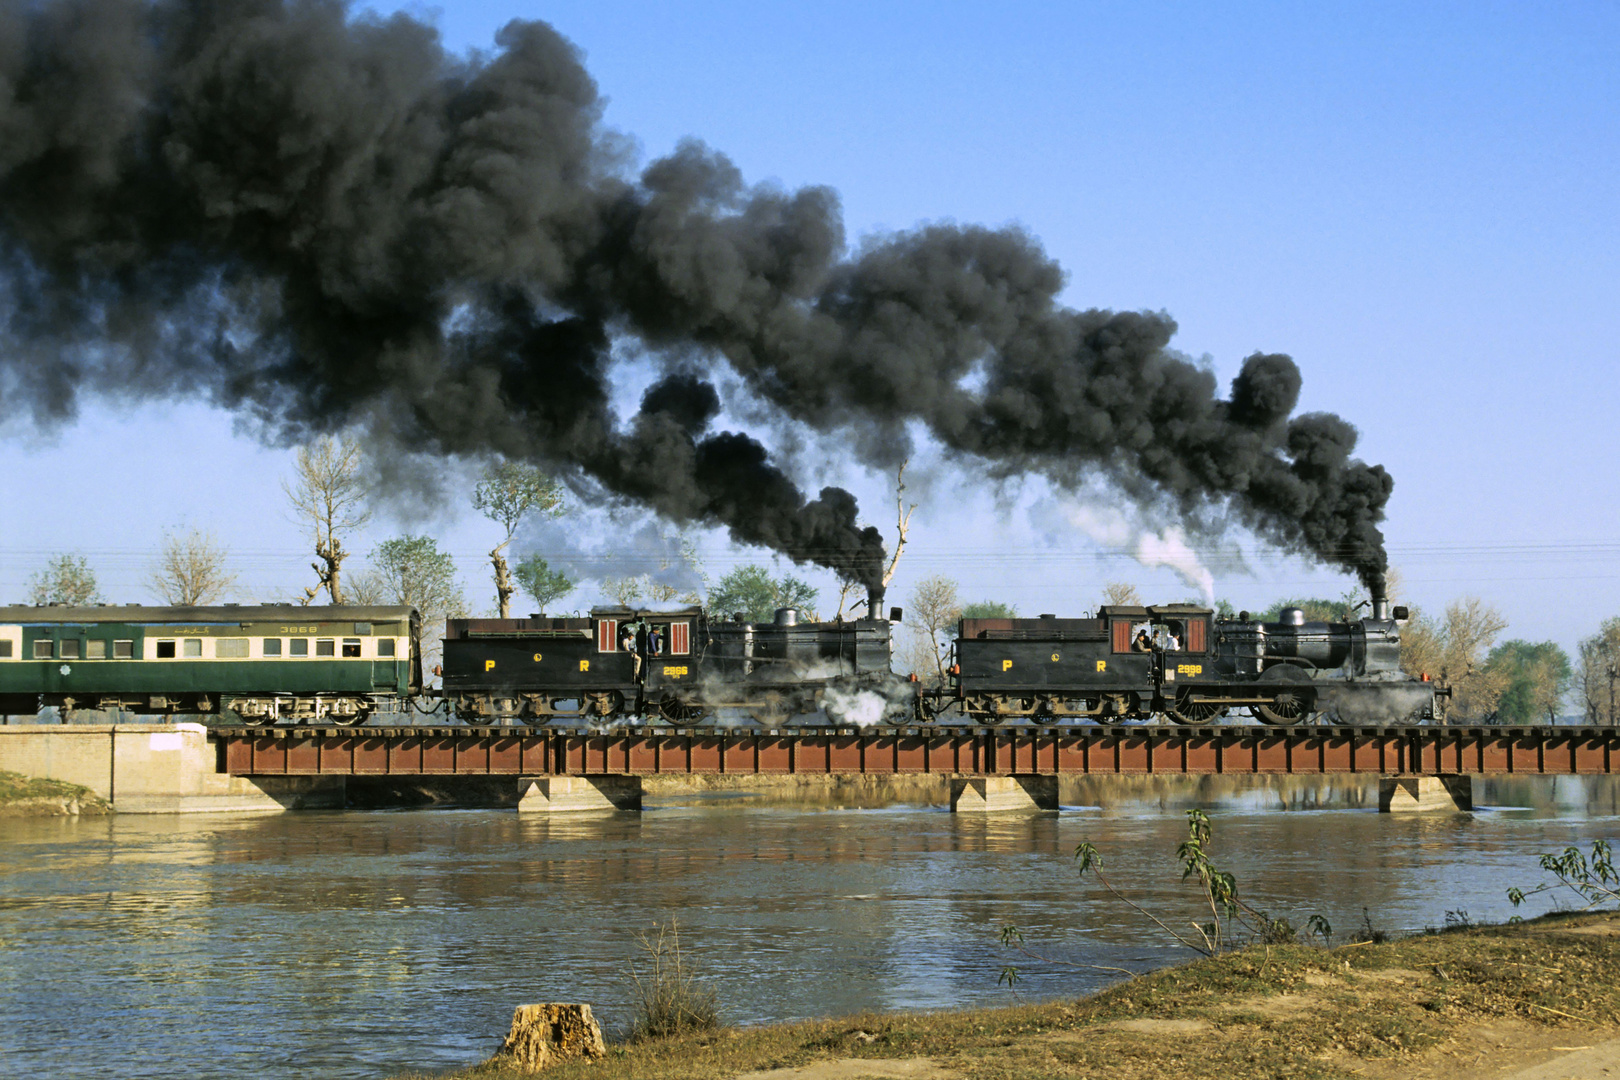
(411, 571)
(989, 609)
(751, 590)
(1316, 609)
(509, 492)
(1537, 675)
(65, 579)
(542, 582)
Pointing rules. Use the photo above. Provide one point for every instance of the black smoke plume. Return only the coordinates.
(318, 218)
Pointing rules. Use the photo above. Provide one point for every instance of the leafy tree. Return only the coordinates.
(932, 609)
(329, 494)
(509, 492)
(1537, 674)
(989, 609)
(751, 590)
(65, 579)
(412, 571)
(1599, 675)
(191, 569)
(542, 582)
(1316, 609)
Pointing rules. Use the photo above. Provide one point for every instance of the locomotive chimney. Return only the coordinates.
(1380, 599)
(874, 601)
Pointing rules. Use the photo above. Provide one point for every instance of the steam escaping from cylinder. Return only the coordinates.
(321, 220)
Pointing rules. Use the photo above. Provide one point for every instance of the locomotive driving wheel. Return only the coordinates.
(1187, 711)
(673, 711)
(982, 708)
(1290, 702)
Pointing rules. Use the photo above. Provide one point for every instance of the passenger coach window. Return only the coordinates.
(385, 646)
(124, 650)
(5, 650)
(351, 646)
(70, 650)
(44, 649)
(325, 647)
(193, 646)
(272, 646)
(232, 648)
(95, 649)
(165, 650)
(298, 647)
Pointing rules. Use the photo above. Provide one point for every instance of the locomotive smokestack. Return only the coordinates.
(874, 600)
(1380, 597)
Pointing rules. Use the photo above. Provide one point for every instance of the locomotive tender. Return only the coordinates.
(264, 663)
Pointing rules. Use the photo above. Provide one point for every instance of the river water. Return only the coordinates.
(359, 944)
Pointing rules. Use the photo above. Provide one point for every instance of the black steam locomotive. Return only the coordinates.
(676, 667)
(1128, 663)
(1179, 661)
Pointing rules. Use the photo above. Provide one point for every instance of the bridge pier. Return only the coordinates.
(995, 794)
(573, 794)
(1420, 794)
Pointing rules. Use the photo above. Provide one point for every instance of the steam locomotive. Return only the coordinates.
(1127, 663)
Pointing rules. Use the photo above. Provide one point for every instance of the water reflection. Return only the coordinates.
(362, 943)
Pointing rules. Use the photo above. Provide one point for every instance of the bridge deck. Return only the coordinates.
(977, 751)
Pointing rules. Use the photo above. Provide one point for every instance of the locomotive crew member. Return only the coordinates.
(1172, 643)
(1143, 643)
(627, 642)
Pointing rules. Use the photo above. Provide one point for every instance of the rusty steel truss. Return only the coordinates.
(452, 750)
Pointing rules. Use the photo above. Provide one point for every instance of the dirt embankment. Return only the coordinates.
(25, 796)
(1532, 1001)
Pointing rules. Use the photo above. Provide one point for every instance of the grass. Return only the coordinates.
(670, 999)
(15, 788)
(1259, 1012)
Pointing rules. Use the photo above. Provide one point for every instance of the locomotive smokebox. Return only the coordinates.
(1380, 597)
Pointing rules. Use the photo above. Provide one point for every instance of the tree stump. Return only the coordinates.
(543, 1035)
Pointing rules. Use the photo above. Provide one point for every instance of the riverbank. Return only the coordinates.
(26, 796)
(1528, 1001)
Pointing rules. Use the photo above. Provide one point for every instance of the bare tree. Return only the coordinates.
(328, 494)
(625, 590)
(932, 609)
(1472, 627)
(1599, 674)
(65, 579)
(1121, 594)
(191, 569)
(902, 514)
(508, 493)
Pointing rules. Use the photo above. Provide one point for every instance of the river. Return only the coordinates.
(359, 944)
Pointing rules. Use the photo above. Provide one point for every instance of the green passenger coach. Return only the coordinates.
(266, 663)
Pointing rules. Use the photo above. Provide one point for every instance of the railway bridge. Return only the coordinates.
(1419, 767)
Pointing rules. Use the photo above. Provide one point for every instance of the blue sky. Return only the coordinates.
(1417, 202)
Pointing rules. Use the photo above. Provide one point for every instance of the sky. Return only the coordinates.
(1418, 202)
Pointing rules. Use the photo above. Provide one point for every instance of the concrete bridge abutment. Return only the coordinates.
(1425, 794)
(578, 794)
(1002, 794)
